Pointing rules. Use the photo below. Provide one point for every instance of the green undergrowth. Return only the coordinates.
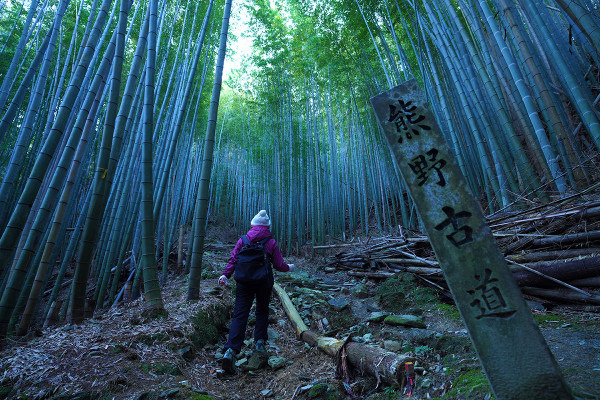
(469, 385)
(152, 339)
(210, 274)
(205, 331)
(196, 396)
(548, 319)
(5, 391)
(161, 369)
(323, 391)
(340, 319)
(449, 311)
(208, 323)
(447, 344)
(402, 291)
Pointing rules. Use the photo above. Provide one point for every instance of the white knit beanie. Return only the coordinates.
(261, 219)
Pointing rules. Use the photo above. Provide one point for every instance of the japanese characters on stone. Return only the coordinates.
(429, 168)
(488, 298)
(407, 121)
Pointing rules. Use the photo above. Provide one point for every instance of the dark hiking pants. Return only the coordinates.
(244, 296)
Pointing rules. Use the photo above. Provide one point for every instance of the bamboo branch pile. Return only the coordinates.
(553, 251)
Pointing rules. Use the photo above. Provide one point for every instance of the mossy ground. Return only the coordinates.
(340, 319)
(449, 311)
(204, 331)
(196, 396)
(323, 391)
(401, 292)
(470, 385)
(152, 339)
(161, 369)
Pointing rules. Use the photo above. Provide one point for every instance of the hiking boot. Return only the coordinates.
(227, 362)
(260, 346)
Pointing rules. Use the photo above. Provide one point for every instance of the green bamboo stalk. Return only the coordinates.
(147, 261)
(101, 185)
(203, 193)
(19, 216)
(549, 154)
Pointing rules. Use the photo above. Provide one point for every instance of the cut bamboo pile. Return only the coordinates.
(553, 251)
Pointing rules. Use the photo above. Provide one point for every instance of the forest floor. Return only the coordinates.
(121, 354)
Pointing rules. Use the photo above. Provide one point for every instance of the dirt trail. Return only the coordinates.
(121, 355)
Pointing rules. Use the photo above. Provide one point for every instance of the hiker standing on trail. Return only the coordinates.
(250, 263)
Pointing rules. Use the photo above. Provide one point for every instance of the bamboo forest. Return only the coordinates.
(139, 139)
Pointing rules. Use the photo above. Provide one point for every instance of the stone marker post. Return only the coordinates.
(512, 351)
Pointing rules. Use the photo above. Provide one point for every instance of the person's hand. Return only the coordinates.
(292, 267)
(223, 281)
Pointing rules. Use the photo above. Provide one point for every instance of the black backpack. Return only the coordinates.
(254, 264)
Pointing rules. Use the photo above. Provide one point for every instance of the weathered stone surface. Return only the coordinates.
(486, 294)
(377, 316)
(339, 304)
(323, 391)
(420, 335)
(405, 320)
(363, 339)
(310, 292)
(272, 334)
(187, 353)
(361, 291)
(256, 361)
(277, 362)
(414, 311)
(241, 362)
(392, 345)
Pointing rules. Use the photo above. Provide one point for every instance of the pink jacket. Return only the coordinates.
(256, 234)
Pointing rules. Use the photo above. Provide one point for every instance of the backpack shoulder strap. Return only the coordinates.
(265, 240)
(245, 240)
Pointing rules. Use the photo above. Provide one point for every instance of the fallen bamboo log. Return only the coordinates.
(565, 271)
(333, 246)
(548, 277)
(567, 239)
(593, 281)
(372, 275)
(407, 261)
(359, 265)
(587, 212)
(417, 270)
(561, 295)
(552, 255)
(388, 366)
